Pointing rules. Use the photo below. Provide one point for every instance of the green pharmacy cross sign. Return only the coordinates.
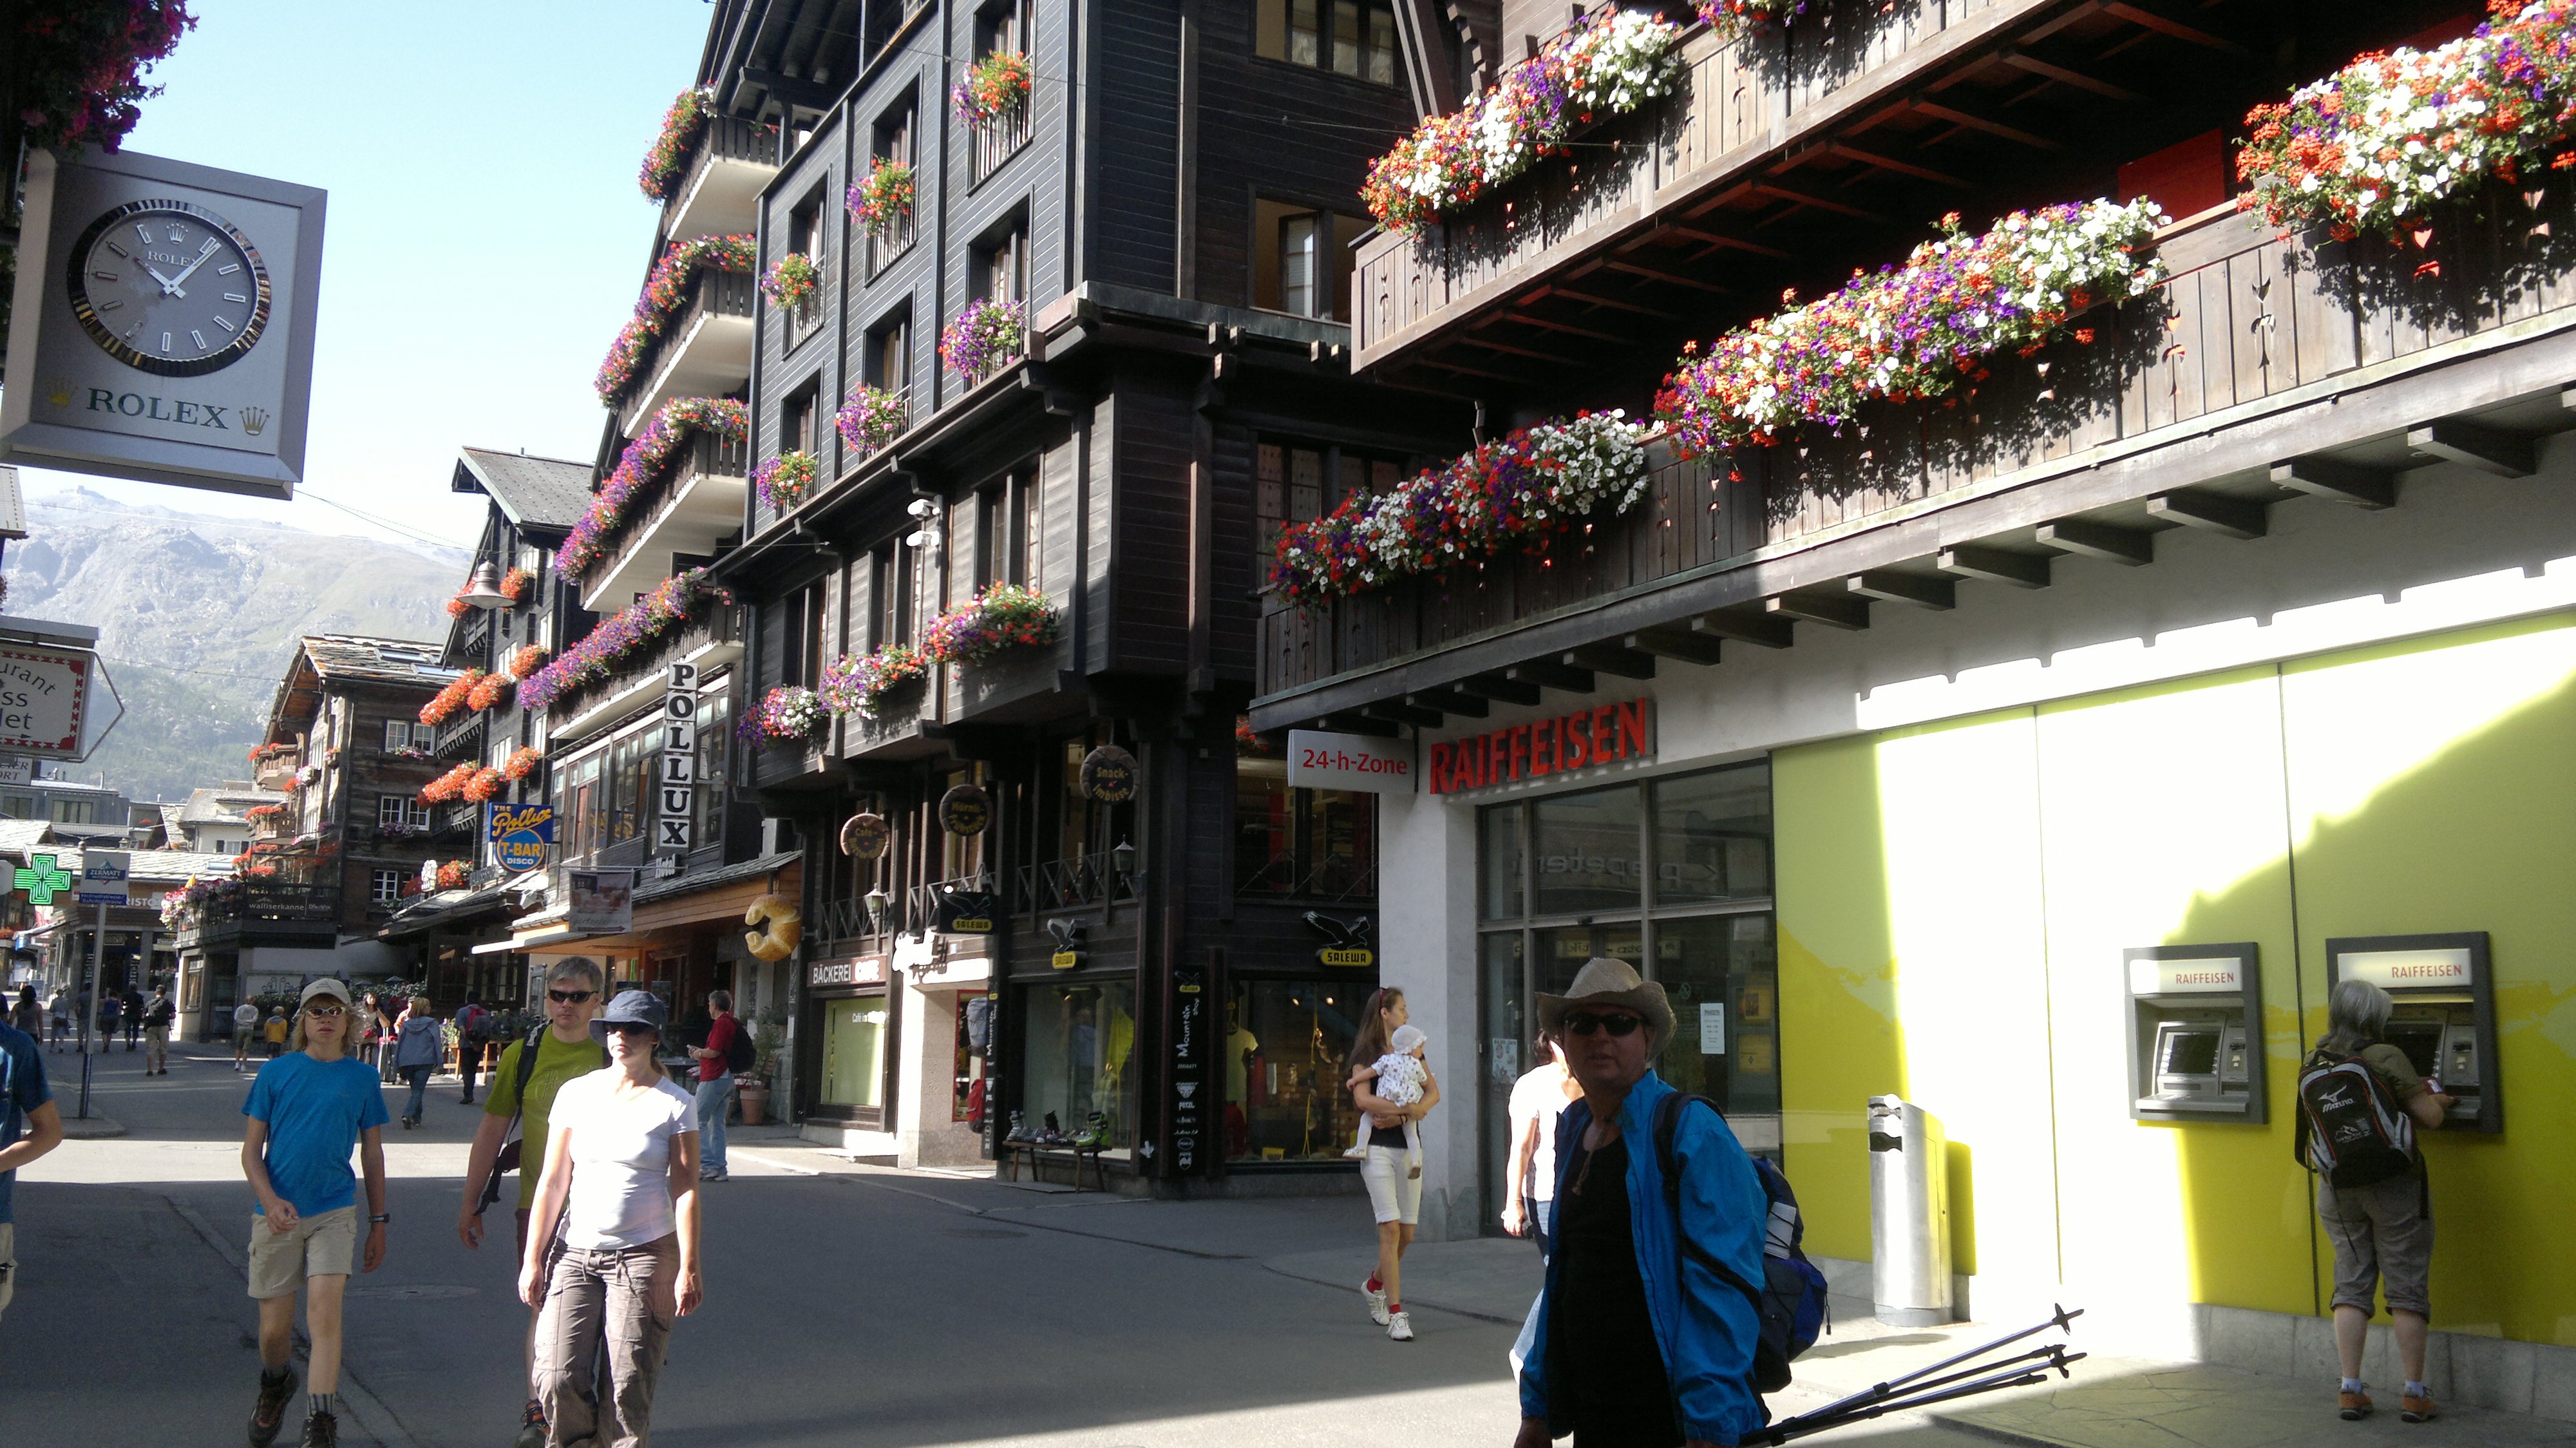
(42, 879)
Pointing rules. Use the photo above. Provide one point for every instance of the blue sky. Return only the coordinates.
(485, 237)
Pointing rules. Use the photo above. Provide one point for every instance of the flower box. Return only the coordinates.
(860, 684)
(882, 201)
(639, 467)
(983, 336)
(786, 480)
(682, 125)
(1003, 616)
(993, 87)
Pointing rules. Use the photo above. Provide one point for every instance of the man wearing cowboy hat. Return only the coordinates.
(1638, 1343)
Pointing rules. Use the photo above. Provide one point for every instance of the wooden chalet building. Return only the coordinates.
(2229, 622)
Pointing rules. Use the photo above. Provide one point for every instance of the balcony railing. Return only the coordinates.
(1288, 876)
(2235, 366)
(883, 250)
(461, 736)
(719, 625)
(456, 818)
(998, 141)
(652, 514)
(844, 923)
(721, 191)
(671, 366)
(251, 904)
(921, 902)
(1069, 884)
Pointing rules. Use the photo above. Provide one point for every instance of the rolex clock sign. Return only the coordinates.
(162, 327)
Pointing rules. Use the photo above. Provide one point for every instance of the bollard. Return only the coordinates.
(1909, 1212)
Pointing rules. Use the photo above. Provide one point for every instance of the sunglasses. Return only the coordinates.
(1584, 1023)
(632, 1028)
(569, 997)
(326, 1013)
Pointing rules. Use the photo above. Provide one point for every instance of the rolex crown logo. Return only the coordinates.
(59, 393)
(254, 420)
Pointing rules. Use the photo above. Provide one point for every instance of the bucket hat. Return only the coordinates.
(1605, 981)
(632, 1007)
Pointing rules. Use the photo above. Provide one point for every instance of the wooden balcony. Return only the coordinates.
(713, 637)
(2264, 370)
(695, 502)
(720, 195)
(704, 351)
(461, 735)
(1784, 158)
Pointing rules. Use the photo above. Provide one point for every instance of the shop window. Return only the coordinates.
(1585, 849)
(1713, 836)
(1722, 977)
(974, 1024)
(854, 1046)
(1286, 1051)
(1319, 843)
(1501, 859)
(1081, 1054)
(1355, 38)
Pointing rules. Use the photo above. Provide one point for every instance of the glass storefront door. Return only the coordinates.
(1722, 978)
(854, 1042)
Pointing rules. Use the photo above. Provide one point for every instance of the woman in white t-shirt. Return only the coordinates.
(617, 1214)
(1529, 1170)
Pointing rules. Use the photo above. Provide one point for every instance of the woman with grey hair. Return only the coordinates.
(2383, 1232)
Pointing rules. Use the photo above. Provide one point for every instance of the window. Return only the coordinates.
(1302, 261)
(800, 652)
(1355, 38)
(1002, 28)
(387, 886)
(1032, 530)
(630, 765)
(1313, 843)
(887, 361)
(1297, 482)
(1081, 1048)
(972, 1006)
(399, 809)
(807, 234)
(403, 734)
(715, 726)
(797, 417)
(228, 847)
(1673, 876)
(892, 143)
(75, 811)
(1000, 265)
(1285, 1047)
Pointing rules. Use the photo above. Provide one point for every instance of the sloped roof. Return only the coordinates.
(221, 805)
(535, 492)
(19, 836)
(391, 661)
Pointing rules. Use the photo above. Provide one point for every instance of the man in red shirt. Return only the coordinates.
(715, 1084)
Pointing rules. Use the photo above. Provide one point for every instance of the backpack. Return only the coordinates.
(510, 1157)
(739, 1054)
(2351, 1129)
(1790, 1302)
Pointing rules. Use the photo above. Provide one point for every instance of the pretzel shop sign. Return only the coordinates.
(1612, 734)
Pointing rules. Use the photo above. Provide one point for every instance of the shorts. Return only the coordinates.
(1395, 1193)
(324, 1245)
(8, 1264)
(2382, 1236)
(157, 1035)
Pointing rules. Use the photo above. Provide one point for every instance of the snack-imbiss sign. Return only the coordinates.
(1610, 734)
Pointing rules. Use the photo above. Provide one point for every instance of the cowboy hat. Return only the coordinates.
(1605, 981)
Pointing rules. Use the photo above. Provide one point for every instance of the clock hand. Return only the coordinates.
(202, 253)
(169, 288)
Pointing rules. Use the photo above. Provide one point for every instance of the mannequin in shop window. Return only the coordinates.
(1240, 1047)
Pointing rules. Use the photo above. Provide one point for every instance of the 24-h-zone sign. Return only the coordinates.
(677, 779)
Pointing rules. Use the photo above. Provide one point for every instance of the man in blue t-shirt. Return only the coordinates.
(26, 1104)
(308, 1110)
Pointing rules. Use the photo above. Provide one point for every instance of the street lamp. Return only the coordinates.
(483, 589)
(1123, 860)
(875, 900)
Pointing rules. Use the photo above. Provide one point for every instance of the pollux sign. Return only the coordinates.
(1580, 740)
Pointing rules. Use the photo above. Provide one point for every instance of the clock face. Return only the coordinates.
(169, 287)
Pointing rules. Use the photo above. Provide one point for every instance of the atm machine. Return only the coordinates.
(2195, 1033)
(2445, 1016)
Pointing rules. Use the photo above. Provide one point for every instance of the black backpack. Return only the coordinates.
(1791, 1300)
(739, 1053)
(2351, 1129)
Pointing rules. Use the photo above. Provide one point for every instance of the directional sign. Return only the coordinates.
(106, 877)
(42, 879)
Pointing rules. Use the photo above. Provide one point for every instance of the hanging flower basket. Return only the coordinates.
(525, 660)
(1003, 616)
(490, 691)
(522, 763)
(1247, 743)
(682, 125)
(982, 337)
(665, 288)
(516, 584)
(785, 480)
(1515, 491)
(457, 607)
(1914, 330)
(788, 714)
(262, 753)
(454, 875)
(882, 200)
(1744, 17)
(993, 87)
(448, 786)
(871, 418)
(2370, 147)
(1609, 66)
(860, 683)
(484, 785)
(616, 638)
(450, 698)
(792, 278)
(641, 466)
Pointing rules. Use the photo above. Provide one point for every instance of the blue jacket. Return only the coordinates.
(423, 1042)
(1706, 1328)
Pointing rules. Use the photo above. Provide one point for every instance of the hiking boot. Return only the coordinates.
(270, 1413)
(321, 1430)
(532, 1428)
(2355, 1406)
(1377, 1303)
(1399, 1326)
(2413, 1409)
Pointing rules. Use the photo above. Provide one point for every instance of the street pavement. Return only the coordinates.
(849, 1304)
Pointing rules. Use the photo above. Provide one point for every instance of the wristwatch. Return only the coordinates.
(381, 1218)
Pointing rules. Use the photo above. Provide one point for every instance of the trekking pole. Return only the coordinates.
(1820, 1422)
(1881, 1391)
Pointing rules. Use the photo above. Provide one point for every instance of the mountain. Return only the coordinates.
(198, 615)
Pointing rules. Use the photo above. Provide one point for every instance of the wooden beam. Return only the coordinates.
(2166, 25)
(1913, 588)
(1451, 701)
(1679, 645)
(1890, 163)
(1529, 320)
(1963, 119)
(2227, 517)
(1843, 611)
(1723, 241)
(2131, 546)
(1615, 659)
(1763, 629)
(1590, 300)
(2503, 454)
(1517, 379)
(1821, 203)
(1551, 675)
(1398, 712)
(1652, 275)
(1994, 565)
(1490, 345)
(1500, 689)
(1358, 723)
(2023, 60)
(2363, 487)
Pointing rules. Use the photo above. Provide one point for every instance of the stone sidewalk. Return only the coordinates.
(2108, 1402)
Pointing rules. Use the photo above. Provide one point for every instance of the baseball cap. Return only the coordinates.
(324, 987)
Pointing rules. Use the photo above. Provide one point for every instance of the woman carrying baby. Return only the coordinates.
(1392, 1163)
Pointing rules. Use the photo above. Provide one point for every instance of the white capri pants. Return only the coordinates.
(1395, 1193)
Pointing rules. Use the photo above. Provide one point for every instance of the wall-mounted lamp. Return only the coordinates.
(483, 589)
(875, 900)
(1123, 860)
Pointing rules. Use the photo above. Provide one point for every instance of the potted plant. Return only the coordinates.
(768, 1038)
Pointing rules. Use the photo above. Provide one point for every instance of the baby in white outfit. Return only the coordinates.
(1399, 1075)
